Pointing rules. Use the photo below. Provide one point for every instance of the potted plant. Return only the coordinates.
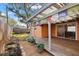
(40, 47)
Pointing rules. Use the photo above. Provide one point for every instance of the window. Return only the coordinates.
(71, 29)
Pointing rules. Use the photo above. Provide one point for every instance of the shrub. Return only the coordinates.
(31, 40)
(13, 33)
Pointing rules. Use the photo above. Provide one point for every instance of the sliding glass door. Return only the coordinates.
(70, 33)
(61, 31)
(66, 30)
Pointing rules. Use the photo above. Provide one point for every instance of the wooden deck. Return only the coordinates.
(61, 47)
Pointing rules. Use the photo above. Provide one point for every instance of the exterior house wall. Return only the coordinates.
(40, 31)
(53, 30)
(77, 29)
(44, 30)
(36, 31)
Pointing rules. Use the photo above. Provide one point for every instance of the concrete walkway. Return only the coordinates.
(61, 47)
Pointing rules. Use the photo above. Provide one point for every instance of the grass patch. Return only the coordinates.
(20, 36)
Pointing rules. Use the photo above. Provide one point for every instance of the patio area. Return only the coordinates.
(62, 47)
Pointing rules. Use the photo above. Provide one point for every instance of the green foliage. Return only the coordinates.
(13, 33)
(24, 10)
(40, 47)
(20, 9)
(31, 40)
(20, 36)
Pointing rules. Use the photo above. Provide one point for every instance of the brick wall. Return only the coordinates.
(44, 30)
(36, 31)
(53, 30)
(77, 29)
